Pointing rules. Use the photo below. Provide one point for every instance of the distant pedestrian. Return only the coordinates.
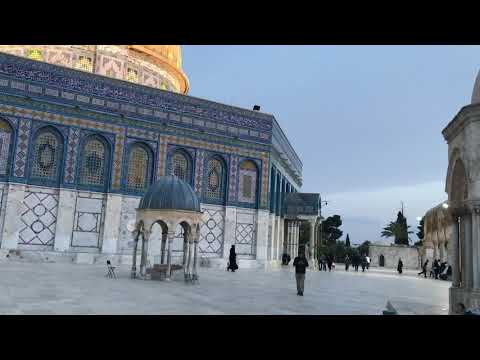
(400, 266)
(347, 262)
(232, 260)
(329, 262)
(324, 262)
(301, 264)
(424, 269)
(355, 262)
(364, 263)
(436, 268)
(368, 262)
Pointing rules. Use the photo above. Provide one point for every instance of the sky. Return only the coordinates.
(366, 121)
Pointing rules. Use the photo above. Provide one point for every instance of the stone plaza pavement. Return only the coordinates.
(63, 288)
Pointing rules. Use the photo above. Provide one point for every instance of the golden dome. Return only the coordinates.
(165, 56)
(158, 66)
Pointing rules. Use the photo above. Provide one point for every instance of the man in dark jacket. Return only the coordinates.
(424, 269)
(301, 265)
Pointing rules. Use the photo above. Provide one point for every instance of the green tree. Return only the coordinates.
(347, 241)
(420, 233)
(363, 248)
(399, 230)
(330, 229)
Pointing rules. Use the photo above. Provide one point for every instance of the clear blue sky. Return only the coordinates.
(365, 120)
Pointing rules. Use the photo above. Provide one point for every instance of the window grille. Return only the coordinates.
(214, 179)
(92, 171)
(138, 166)
(45, 156)
(180, 167)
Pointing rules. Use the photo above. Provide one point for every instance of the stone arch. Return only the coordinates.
(458, 191)
(158, 240)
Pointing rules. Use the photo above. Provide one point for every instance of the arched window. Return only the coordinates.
(5, 141)
(180, 167)
(94, 160)
(215, 180)
(47, 155)
(139, 168)
(247, 189)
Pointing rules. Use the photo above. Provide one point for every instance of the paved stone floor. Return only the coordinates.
(58, 288)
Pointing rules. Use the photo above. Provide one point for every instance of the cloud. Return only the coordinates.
(364, 213)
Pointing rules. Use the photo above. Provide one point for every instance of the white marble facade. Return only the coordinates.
(410, 256)
(70, 221)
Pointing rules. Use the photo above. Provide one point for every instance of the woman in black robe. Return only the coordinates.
(400, 266)
(232, 260)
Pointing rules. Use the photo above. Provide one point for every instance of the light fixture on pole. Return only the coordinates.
(445, 205)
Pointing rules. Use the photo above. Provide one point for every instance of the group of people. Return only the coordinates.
(326, 261)
(438, 270)
(356, 261)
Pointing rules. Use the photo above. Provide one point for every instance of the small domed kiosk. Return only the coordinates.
(169, 202)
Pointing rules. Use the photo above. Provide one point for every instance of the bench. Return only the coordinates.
(159, 271)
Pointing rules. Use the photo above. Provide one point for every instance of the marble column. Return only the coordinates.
(195, 251)
(143, 255)
(454, 238)
(476, 247)
(467, 252)
(134, 258)
(170, 237)
(162, 248)
(186, 270)
(312, 244)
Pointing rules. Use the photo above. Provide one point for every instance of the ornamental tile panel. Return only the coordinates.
(199, 172)
(23, 139)
(72, 155)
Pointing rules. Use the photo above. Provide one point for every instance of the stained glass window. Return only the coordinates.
(247, 182)
(214, 180)
(138, 169)
(46, 151)
(180, 167)
(35, 54)
(85, 63)
(5, 140)
(132, 75)
(92, 171)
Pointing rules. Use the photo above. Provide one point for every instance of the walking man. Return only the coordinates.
(301, 265)
(424, 269)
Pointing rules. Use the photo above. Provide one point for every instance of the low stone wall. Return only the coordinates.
(391, 254)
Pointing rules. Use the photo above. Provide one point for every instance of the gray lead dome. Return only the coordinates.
(169, 192)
